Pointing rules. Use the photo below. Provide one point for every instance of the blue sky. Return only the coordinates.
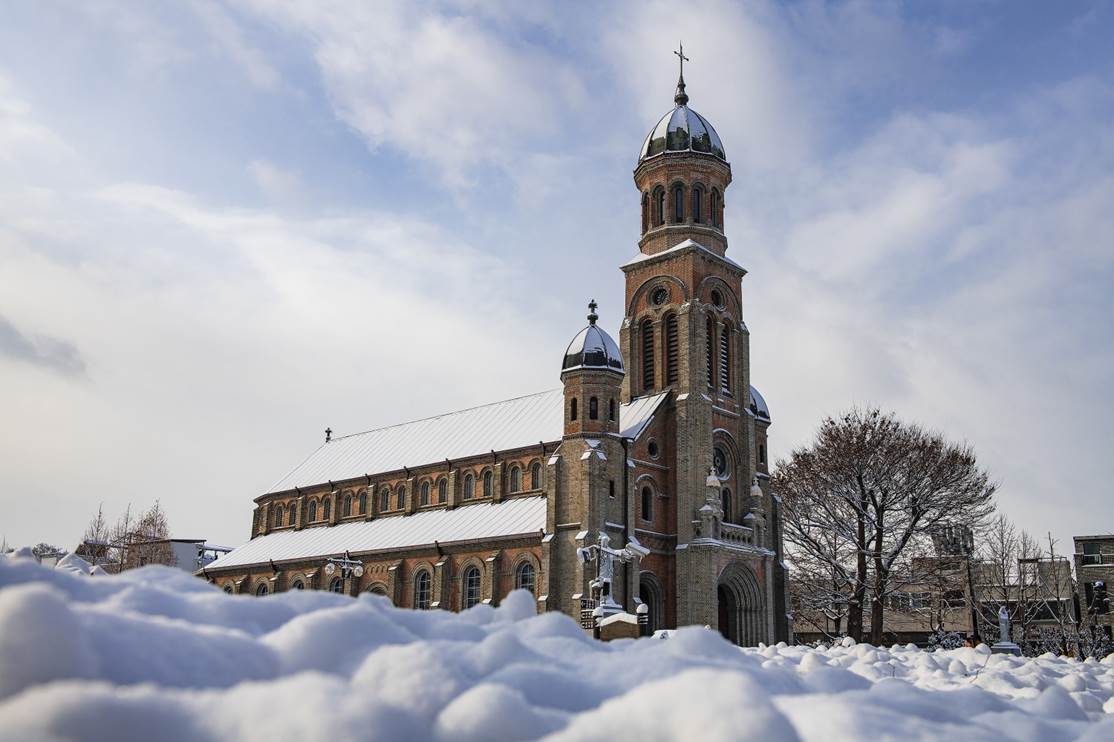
(224, 227)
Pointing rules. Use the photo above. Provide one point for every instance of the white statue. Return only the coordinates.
(1004, 624)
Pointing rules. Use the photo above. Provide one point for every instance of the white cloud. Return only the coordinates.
(228, 37)
(437, 86)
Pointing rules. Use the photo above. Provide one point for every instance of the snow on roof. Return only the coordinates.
(686, 245)
(515, 517)
(635, 416)
(502, 426)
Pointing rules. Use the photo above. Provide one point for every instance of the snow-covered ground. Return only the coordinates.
(155, 654)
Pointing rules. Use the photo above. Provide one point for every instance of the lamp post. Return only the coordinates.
(605, 558)
(346, 565)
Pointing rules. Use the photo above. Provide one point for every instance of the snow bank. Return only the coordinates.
(157, 654)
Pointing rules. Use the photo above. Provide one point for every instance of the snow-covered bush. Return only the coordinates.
(942, 639)
(154, 654)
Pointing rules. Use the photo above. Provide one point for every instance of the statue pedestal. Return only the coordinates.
(1005, 648)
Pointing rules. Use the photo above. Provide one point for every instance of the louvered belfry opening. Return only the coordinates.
(647, 355)
(725, 358)
(671, 358)
(709, 341)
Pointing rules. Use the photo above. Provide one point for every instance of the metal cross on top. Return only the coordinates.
(681, 57)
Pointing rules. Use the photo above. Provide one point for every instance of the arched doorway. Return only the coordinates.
(741, 606)
(651, 593)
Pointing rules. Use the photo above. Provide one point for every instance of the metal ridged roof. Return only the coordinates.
(518, 516)
(502, 426)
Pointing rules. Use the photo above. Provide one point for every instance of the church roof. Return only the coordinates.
(510, 424)
(518, 516)
(688, 244)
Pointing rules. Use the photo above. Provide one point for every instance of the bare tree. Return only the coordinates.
(148, 540)
(997, 576)
(861, 501)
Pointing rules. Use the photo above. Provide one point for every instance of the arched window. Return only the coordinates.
(647, 355)
(725, 501)
(278, 516)
(647, 503)
(645, 212)
(572, 409)
(725, 358)
(761, 453)
(384, 499)
(326, 508)
(469, 486)
(714, 211)
(312, 510)
(611, 409)
(363, 502)
(659, 206)
(470, 588)
(298, 585)
(261, 588)
(709, 344)
(516, 479)
(422, 584)
(400, 497)
(678, 204)
(443, 491)
(347, 505)
(488, 483)
(671, 355)
(337, 585)
(425, 493)
(525, 577)
(593, 408)
(536, 476)
(698, 205)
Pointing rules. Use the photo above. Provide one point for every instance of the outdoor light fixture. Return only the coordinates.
(348, 567)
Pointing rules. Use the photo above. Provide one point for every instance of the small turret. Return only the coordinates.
(592, 372)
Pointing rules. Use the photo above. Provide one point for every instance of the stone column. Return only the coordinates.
(300, 513)
(490, 589)
(497, 484)
(454, 494)
(412, 495)
(440, 586)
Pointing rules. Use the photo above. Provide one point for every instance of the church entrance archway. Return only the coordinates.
(741, 606)
(651, 593)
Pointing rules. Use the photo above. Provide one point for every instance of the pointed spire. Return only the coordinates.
(592, 316)
(681, 98)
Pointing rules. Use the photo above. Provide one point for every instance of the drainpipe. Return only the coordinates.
(629, 566)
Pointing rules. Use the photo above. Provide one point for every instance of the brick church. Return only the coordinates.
(657, 440)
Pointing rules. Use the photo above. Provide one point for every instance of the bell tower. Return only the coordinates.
(683, 334)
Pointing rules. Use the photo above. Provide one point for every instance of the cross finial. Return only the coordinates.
(681, 98)
(681, 58)
(328, 434)
(592, 316)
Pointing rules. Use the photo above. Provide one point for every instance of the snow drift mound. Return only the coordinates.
(155, 654)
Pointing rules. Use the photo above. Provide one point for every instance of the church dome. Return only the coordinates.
(593, 348)
(682, 130)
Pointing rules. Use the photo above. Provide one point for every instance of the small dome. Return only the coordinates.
(593, 348)
(682, 130)
(758, 405)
